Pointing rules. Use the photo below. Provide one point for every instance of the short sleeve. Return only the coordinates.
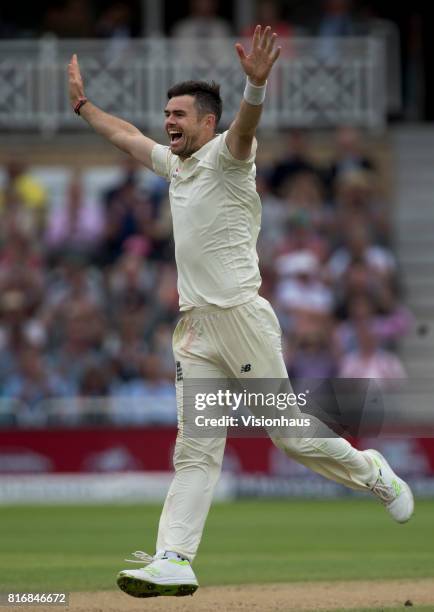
(160, 160)
(229, 159)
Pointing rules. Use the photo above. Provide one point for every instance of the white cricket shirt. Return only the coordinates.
(216, 215)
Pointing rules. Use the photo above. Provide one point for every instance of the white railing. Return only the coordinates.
(316, 82)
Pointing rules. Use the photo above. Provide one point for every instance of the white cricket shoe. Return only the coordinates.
(162, 576)
(392, 491)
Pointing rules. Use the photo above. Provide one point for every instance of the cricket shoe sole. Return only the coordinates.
(162, 577)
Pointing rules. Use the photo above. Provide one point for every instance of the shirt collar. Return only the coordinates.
(200, 153)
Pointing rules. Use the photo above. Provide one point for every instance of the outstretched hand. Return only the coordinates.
(259, 62)
(76, 87)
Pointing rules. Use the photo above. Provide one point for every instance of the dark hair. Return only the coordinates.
(206, 96)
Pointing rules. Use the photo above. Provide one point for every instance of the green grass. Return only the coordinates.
(82, 547)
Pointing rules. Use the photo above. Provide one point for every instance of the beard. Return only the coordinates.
(187, 145)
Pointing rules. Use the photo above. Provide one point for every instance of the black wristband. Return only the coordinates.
(80, 103)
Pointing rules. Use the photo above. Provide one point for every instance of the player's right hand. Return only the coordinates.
(76, 87)
(258, 63)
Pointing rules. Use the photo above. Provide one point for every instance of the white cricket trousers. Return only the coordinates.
(212, 342)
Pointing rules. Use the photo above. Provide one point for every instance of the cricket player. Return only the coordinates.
(226, 330)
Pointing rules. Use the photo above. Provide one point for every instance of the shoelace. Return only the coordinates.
(385, 492)
(141, 557)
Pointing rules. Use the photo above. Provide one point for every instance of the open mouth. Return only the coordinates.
(175, 137)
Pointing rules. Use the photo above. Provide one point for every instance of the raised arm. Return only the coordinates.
(120, 133)
(257, 66)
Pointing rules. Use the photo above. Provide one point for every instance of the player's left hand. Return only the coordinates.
(258, 63)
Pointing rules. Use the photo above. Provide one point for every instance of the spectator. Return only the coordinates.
(21, 269)
(296, 160)
(161, 346)
(116, 25)
(358, 279)
(336, 22)
(131, 281)
(301, 290)
(359, 248)
(387, 328)
(75, 224)
(270, 12)
(203, 22)
(95, 385)
(82, 339)
(166, 290)
(349, 156)
(32, 384)
(393, 319)
(95, 380)
(128, 346)
(17, 218)
(274, 216)
(70, 19)
(312, 356)
(336, 19)
(369, 361)
(75, 283)
(304, 195)
(10, 336)
(21, 291)
(300, 234)
(357, 203)
(128, 213)
(200, 34)
(147, 400)
(115, 22)
(151, 193)
(21, 185)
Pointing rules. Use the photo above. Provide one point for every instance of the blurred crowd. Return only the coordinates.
(195, 19)
(88, 298)
(203, 25)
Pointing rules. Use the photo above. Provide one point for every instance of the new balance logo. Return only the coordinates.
(179, 375)
(246, 368)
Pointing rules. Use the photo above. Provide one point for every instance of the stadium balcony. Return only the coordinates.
(309, 87)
